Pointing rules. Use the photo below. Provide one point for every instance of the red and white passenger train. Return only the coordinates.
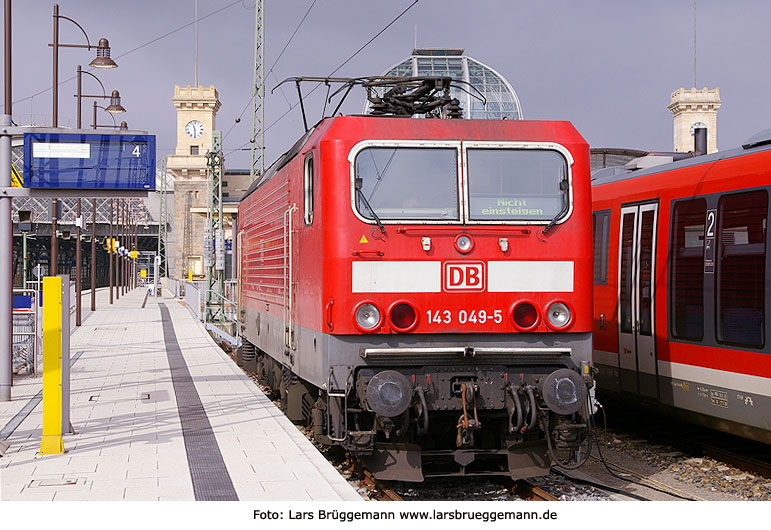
(419, 290)
(681, 287)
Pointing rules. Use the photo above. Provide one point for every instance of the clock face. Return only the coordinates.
(194, 129)
(697, 125)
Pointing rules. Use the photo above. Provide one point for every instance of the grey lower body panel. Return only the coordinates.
(746, 414)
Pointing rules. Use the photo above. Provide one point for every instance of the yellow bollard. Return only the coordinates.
(52, 443)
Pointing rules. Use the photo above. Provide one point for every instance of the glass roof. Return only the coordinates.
(502, 101)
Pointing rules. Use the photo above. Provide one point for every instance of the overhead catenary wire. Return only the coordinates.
(270, 71)
(400, 15)
(148, 43)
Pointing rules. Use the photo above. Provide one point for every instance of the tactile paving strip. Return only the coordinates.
(211, 480)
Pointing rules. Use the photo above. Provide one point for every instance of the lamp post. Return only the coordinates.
(123, 125)
(117, 257)
(93, 255)
(109, 250)
(78, 268)
(136, 248)
(115, 107)
(122, 267)
(6, 227)
(102, 59)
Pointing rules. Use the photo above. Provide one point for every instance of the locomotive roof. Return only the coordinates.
(293, 151)
(280, 162)
(758, 143)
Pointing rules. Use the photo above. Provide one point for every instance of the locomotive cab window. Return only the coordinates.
(406, 183)
(741, 272)
(517, 185)
(308, 189)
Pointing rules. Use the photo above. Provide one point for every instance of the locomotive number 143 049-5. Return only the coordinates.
(464, 316)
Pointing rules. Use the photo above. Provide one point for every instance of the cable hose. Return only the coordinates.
(518, 406)
(422, 397)
(533, 409)
(602, 486)
(620, 477)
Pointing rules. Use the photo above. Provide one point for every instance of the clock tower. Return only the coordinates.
(691, 109)
(196, 112)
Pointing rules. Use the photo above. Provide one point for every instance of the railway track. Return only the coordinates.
(749, 464)
(530, 492)
(519, 488)
(746, 455)
(383, 492)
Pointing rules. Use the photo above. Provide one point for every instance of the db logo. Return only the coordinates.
(464, 276)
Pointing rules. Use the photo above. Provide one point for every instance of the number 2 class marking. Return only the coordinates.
(711, 214)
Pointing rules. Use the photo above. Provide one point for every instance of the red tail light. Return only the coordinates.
(525, 316)
(403, 316)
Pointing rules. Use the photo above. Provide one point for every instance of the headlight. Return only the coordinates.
(367, 317)
(558, 315)
(463, 243)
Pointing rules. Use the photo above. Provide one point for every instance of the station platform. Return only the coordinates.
(160, 412)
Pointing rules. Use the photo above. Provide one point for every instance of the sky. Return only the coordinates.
(608, 66)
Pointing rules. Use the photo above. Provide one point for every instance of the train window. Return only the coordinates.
(407, 183)
(516, 184)
(741, 271)
(626, 271)
(308, 189)
(601, 239)
(687, 270)
(645, 270)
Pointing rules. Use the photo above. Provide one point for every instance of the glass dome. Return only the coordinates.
(502, 100)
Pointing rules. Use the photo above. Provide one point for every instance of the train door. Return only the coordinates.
(636, 285)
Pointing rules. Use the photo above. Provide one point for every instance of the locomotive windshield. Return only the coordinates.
(516, 184)
(407, 183)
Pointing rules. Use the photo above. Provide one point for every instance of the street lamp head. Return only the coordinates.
(102, 59)
(115, 107)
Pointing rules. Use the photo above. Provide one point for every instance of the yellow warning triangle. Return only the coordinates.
(363, 239)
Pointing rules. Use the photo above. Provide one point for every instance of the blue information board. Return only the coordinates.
(89, 161)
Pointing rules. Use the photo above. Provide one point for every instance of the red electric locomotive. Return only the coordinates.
(419, 291)
(681, 288)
